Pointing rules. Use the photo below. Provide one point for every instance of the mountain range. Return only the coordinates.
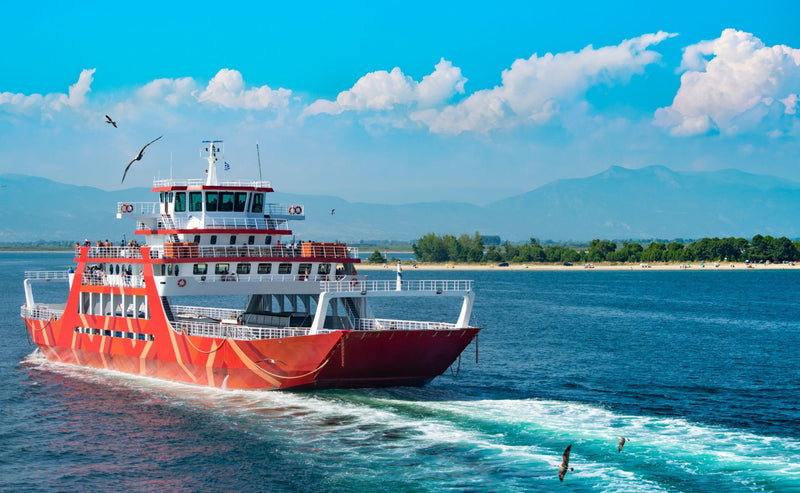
(619, 203)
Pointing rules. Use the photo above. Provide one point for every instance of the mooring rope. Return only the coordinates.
(186, 336)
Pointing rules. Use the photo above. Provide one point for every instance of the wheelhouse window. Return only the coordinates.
(264, 268)
(285, 268)
(221, 269)
(212, 199)
(180, 202)
(240, 201)
(226, 202)
(258, 202)
(200, 269)
(195, 201)
(243, 269)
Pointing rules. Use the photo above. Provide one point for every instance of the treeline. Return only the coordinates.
(465, 248)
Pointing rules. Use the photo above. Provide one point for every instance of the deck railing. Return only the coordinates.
(138, 208)
(112, 252)
(197, 182)
(208, 312)
(283, 251)
(238, 332)
(388, 324)
(416, 285)
(39, 313)
(115, 280)
(217, 223)
(47, 275)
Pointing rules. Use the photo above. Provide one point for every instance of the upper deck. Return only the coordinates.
(163, 185)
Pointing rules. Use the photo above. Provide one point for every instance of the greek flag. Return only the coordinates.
(227, 166)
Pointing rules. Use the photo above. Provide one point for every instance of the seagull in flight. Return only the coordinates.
(112, 122)
(332, 210)
(138, 157)
(622, 441)
(562, 468)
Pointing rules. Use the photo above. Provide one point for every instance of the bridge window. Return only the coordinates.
(285, 268)
(180, 202)
(258, 202)
(264, 268)
(212, 198)
(196, 201)
(226, 202)
(200, 269)
(240, 202)
(243, 268)
(222, 269)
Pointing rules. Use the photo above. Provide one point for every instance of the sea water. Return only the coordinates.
(698, 368)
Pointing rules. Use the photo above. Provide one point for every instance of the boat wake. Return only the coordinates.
(437, 439)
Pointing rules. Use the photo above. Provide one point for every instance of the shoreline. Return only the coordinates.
(645, 267)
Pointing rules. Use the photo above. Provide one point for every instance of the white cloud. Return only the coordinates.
(75, 98)
(533, 90)
(227, 89)
(173, 91)
(382, 90)
(733, 83)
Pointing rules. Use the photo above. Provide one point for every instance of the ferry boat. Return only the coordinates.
(306, 324)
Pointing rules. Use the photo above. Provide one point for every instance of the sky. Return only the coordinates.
(399, 102)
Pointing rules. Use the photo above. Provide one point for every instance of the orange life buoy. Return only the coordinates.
(291, 210)
(129, 208)
(181, 283)
(298, 210)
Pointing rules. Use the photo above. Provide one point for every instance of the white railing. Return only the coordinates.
(208, 312)
(239, 332)
(318, 251)
(256, 278)
(47, 275)
(116, 280)
(112, 252)
(294, 210)
(387, 324)
(416, 285)
(39, 313)
(196, 182)
(216, 223)
(138, 208)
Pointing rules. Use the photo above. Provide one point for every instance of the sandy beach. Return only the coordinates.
(690, 267)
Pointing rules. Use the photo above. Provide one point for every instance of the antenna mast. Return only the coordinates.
(260, 179)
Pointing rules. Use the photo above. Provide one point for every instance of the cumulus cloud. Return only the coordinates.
(75, 98)
(734, 84)
(534, 89)
(382, 90)
(173, 91)
(227, 89)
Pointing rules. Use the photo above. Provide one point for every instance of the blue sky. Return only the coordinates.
(398, 103)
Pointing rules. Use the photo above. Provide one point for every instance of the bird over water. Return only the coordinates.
(562, 468)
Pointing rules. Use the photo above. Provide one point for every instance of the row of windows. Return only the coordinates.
(251, 240)
(114, 333)
(214, 201)
(283, 268)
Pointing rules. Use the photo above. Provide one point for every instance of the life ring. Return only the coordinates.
(129, 208)
(298, 210)
(181, 283)
(291, 210)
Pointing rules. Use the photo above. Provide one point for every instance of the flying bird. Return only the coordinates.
(332, 210)
(622, 441)
(109, 120)
(138, 157)
(562, 469)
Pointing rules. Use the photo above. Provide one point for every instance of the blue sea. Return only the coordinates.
(700, 369)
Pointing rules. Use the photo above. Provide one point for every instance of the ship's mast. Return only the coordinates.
(212, 147)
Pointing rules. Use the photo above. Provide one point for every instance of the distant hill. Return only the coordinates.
(652, 202)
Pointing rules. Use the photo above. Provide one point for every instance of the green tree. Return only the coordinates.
(376, 258)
